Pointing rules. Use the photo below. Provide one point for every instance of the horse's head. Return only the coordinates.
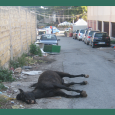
(27, 97)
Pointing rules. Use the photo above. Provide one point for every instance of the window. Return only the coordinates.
(48, 37)
(91, 32)
(82, 31)
(101, 35)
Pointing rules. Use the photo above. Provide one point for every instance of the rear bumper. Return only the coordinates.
(98, 44)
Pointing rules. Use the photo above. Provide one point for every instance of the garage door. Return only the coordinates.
(94, 25)
(113, 29)
(100, 25)
(106, 27)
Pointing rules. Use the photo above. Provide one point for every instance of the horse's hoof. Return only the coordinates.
(32, 102)
(83, 94)
(85, 82)
(86, 76)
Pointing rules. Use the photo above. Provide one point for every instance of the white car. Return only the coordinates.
(80, 34)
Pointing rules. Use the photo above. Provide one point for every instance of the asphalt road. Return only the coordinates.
(78, 58)
(99, 63)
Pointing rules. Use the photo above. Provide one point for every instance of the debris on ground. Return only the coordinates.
(32, 72)
(18, 107)
(22, 74)
(18, 70)
(27, 67)
(31, 61)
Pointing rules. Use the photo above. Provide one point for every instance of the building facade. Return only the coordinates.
(102, 18)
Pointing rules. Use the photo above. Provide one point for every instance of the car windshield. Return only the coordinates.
(82, 31)
(40, 33)
(91, 32)
(48, 37)
(101, 35)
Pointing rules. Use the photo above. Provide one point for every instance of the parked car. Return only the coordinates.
(100, 39)
(49, 39)
(80, 33)
(88, 36)
(83, 36)
(67, 29)
(75, 34)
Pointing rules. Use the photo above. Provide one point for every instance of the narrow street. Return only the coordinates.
(78, 58)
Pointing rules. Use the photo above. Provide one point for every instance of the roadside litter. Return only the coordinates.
(27, 67)
(32, 72)
(18, 107)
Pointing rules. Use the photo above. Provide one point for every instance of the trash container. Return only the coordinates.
(52, 48)
(70, 34)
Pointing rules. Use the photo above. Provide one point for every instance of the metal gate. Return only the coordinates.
(100, 25)
(106, 27)
(113, 29)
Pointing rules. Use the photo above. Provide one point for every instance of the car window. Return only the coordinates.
(91, 32)
(77, 31)
(82, 31)
(101, 35)
(40, 33)
(48, 37)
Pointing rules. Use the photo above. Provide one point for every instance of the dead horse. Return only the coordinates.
(49, 85)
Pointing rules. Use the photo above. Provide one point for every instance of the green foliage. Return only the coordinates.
(21, 61)
(112, 41)
(35, 50)
(2, 87)
(5, 75)
(3, 101)
(14, 64)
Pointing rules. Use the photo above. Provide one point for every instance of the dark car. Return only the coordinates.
(100, 39)
(49, 39)
(88, 36)
(75, 34)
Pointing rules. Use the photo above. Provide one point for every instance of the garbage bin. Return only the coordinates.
(70, 34)
(52, 48)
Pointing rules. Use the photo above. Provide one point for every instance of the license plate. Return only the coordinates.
(101, 43)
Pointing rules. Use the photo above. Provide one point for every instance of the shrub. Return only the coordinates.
(21, 61)
(35, 50)
(6, 75)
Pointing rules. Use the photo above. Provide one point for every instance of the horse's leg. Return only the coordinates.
(62, 74)
(72, 83)
(69, 89)
(60, 93)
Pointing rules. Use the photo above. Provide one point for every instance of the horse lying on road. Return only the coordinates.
(49, 85)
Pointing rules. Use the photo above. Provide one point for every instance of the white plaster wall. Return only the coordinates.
(102, 13)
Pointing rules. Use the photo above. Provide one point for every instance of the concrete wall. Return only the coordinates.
(17, 31)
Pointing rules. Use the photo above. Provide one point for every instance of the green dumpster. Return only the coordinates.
(52, 48)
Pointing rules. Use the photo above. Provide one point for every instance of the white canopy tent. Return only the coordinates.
(80, 24)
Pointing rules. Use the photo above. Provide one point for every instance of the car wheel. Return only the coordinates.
(93, 46)
(87, 43)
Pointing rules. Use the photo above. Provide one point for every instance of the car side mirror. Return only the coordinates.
(58, 39)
